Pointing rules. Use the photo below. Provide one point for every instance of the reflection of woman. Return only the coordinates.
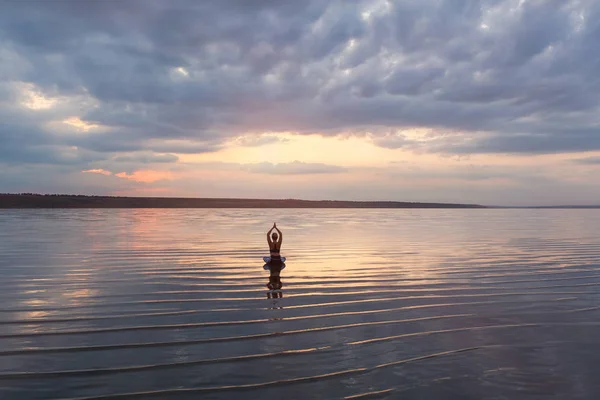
(275, 284)
(274, 239)
(275, 279)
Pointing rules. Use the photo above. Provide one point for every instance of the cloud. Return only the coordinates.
(293, 168)
(392, 141)
(146, 176)
(97, 171)
(122, 86)
(593, 160)
(143, 176)
(505, 68)
(146, 158)
(259, 140)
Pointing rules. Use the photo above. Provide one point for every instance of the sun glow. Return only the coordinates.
(79, 124)
(146, 176)
(342, 151)
(34, 99)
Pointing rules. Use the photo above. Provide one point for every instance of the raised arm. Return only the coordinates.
(269, 235)
(280, 235)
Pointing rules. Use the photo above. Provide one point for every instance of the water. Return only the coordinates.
(173, 304)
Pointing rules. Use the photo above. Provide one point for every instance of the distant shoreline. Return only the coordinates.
(83, 201)
(33, 200)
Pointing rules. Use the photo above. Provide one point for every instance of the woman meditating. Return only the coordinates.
(274, 263)
(274, 239)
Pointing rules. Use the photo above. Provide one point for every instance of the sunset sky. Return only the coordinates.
(489, 102)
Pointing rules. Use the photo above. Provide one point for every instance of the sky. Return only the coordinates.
(492, 102)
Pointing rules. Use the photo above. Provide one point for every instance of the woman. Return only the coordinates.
(274, 239)
(274, 263)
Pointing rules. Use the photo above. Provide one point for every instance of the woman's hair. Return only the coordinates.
(274, 236)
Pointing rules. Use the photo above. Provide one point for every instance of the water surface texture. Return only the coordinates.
(411, 304)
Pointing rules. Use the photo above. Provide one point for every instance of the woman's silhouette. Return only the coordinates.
(275, 239)
(274, 262)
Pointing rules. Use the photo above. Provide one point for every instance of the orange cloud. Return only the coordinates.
(97, 171)
(146, 176)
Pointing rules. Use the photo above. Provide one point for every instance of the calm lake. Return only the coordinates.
(404, 303)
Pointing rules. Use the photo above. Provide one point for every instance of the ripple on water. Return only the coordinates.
(111, 304)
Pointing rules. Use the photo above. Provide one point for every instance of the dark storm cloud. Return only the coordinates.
(486, 76)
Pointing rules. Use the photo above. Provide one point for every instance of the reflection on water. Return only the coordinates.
(275, 285)
(444, 304)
